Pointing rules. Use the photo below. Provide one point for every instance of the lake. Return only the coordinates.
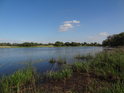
(12, 59)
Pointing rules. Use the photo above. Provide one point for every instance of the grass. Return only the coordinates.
(109, 64)
(8, 47)
(63, 74)
(103, 74)
(59, 61)
(80, 67)
(14, 82)
(114, 88)
(52, 61)
(84, 57)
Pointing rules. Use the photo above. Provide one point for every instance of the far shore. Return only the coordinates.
(42, 46)
(24, 46)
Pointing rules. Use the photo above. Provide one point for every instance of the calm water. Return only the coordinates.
(12, 59)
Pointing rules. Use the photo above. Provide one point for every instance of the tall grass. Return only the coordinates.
(114, 88)
(80, 67)
(19, 79)
(63, 74)
(84, 57)
(109, 64)
(52, 61)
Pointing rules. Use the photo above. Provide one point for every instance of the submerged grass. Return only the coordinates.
(103, 74)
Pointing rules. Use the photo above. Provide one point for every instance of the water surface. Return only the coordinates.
(12, 59)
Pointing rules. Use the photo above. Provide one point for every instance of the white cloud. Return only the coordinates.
(72, 22)
(104, 34)
(98, 37)
(67, 25)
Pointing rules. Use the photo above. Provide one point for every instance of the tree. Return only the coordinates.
(67, 44)
(58, 43)
(114, 40)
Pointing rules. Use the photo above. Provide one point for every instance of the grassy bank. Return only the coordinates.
(104, 73)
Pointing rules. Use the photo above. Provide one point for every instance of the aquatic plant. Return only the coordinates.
(52, 60)
(59, 61)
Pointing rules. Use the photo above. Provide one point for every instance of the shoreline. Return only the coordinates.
(43, 46)
(23, 46)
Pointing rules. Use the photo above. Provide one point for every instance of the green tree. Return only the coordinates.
(58, 43)
(114, 40)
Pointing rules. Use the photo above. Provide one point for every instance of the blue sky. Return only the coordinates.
(60, 20)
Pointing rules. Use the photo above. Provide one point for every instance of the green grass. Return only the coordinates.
(59, 61)
(80, 67)
(84, 57)
(52, 61)
(14, 82)
(63, 74)
(109, 64)
(115, 88)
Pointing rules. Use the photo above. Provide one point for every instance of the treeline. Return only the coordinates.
(25, 44)
(58, 43)
(114, 40)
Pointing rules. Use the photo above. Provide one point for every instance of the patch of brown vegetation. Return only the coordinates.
(78, 83)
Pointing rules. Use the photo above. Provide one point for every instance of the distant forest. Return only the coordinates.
(111, 41)
(57, 43)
